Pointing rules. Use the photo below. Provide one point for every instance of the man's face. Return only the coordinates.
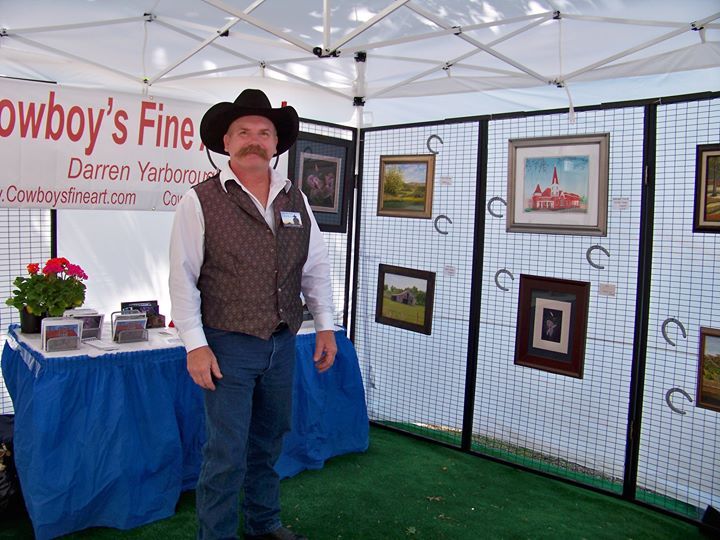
(251, 140)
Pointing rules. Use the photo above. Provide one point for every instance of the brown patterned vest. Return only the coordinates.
(250, 279)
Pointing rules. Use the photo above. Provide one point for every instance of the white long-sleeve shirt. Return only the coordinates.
(187, 248)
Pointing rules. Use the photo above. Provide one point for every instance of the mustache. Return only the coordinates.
(252, 149)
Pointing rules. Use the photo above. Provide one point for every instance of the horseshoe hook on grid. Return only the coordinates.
(668, 399)
(435, 223)
(589, 259)
(430, 138)
(663, 329)
(490, 209)
(497, 275)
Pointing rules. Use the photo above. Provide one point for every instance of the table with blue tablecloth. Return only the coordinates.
(112, 438)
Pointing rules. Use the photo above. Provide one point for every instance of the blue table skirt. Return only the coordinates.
(113, 440)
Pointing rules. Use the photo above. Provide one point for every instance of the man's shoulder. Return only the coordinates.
(207, 182)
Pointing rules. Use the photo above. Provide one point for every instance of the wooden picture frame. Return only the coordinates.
(405, 188)
(706, 217)
(708, 383)
(558, 185)
(322, 168)
(552, 324)
(405, 298)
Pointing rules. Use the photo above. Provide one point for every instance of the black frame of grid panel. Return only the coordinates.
(641, 329)
(351, 189)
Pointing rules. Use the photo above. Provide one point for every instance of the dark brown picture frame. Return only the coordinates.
(418, 170)
(400, 293)
(552, 324)
(706, 217)
(708, 383)
(329, 155)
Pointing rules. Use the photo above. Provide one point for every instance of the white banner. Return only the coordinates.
(70, 148)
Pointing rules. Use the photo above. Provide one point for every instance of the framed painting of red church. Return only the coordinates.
(558, 185)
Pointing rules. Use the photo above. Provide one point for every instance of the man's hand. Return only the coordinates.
(203, 366)
(325, 350)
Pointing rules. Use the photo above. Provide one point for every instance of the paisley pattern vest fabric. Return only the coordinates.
(250, 278)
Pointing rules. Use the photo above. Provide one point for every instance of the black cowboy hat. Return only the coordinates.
(217, 120)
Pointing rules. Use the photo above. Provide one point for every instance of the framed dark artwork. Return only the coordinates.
(322, 168)
(707, 189)
(406, 186)
(405, 298)
(558, 185)
(552, 324)
(708, 385)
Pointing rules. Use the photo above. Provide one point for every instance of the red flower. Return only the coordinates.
(33, 268)
(74, 270)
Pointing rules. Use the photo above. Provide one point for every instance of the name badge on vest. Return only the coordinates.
(291, 219)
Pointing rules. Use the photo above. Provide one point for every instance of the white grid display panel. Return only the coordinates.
(570, 427)
(337, 243)
(415, 381)
(678, 461)
(25, 237)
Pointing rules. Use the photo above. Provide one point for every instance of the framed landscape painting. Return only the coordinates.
(552, 324)
(322, 168)
(707, 189)
(406, 186)
(708, 387)
(405, 298)
(558, 185)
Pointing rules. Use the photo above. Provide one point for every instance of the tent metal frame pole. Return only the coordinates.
(454, 61)
(488, 48)
(639, 47)
(70, 56)
(277, 32)
(74, 26)
(370, 23)
(207, 41)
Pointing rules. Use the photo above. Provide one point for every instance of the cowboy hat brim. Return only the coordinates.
(217, 120)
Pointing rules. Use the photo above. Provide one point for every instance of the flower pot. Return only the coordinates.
(29, 322)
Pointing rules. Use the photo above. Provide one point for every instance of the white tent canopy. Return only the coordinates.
(495, 55)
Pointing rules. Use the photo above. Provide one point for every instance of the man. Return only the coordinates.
(244, 245)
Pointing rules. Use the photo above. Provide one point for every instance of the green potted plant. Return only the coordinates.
(47, 292)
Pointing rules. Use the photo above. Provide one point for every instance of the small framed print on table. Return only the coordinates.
(708, 386)
(406, 186)
(322, 168)
(405, 298)
(707, 189)
(558, 185)
(552, 324)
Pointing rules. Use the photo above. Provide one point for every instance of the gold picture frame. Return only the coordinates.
(406, 186)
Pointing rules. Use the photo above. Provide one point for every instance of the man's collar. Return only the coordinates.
(227, 175)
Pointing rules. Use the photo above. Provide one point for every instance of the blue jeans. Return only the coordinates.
(246, 417)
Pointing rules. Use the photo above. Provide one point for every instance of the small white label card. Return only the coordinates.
(607, 289)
